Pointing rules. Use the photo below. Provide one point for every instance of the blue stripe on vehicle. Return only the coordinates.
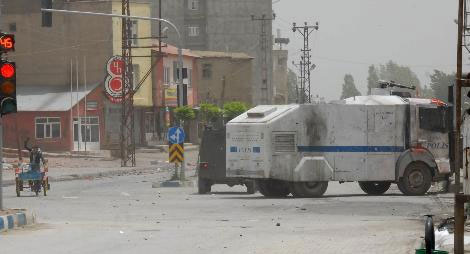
(233, 149)
(11, 221)
(2, 224)
(21, 219)
(352, 149)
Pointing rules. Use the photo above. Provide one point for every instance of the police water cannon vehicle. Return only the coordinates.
(375, 140)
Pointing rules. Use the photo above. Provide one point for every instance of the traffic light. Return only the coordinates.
(7, 88)
(7, 42)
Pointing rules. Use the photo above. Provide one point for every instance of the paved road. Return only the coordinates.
(123, 214)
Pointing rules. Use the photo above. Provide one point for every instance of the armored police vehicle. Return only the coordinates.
(374, 140)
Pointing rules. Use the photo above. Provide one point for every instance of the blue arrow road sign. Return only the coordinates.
(176, 135)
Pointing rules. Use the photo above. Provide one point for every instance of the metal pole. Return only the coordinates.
(87, 123)
(71, 103)
(1, 165)
(458, 209)
(78, 107)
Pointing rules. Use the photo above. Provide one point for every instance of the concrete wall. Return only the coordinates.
(238, 79)
(228, 27)
(280, 76)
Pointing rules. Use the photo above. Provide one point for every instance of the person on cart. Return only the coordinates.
(35, 156)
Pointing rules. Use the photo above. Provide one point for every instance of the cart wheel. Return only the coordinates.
(18, 188)
(44, 187)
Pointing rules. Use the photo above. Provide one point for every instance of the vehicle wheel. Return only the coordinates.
(203, 186)
(18, 188)
(273, 188)
(308, 189)
(375, 188)
(416, 180)
(250, 187)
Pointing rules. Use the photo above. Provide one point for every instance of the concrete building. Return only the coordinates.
(224, 77)
(48, 116)
(73, 53)
(165, 89)
(281, 92)
(224, 25)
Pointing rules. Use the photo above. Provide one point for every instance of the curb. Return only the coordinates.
(19, 219)
(173, 184)
(73, 177)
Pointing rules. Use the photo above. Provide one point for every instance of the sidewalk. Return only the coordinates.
(66, 169)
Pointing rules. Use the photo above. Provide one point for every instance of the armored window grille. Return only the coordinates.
(284, 142)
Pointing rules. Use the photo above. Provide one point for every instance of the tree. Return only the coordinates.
(209, 113)
(440, 82)
(234, 109)
(373, 79)
(291, 86)
(349, 88)
(400, 74)
(184, 113)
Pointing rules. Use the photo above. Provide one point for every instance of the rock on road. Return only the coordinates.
(123, 214)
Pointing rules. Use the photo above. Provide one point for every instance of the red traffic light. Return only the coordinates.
(7, 70)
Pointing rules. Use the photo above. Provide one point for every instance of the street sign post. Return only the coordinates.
(176, 138)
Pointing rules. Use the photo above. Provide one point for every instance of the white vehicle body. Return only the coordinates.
(363, 138)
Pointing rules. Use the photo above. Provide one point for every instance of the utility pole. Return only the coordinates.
(127, 117)
(266, 88)
(305, 31)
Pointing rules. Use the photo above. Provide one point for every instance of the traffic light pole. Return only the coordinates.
(125, 17)
(1, 165)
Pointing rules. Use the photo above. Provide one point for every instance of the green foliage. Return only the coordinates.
(349, 88)
(373, 79)
(291, 86)
(184, 113)
(210, 112)
(440, 82)
(234, 109)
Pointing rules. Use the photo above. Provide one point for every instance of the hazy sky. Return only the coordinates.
(354, 34)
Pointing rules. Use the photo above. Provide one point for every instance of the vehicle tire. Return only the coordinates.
(18, 188)
(308, 189)
(416, 180)
(250, 187)
(203, 186)
(273, 188)
(375, 188)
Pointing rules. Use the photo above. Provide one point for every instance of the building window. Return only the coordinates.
(193, 4)
(91, 105)
(134, 33)
(47, 127)
(193, 31)
(190, 77)
(12, 27)
(166, 75)
(207, 71)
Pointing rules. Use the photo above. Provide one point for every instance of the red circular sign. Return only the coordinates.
(116, 85)
(116, 66)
